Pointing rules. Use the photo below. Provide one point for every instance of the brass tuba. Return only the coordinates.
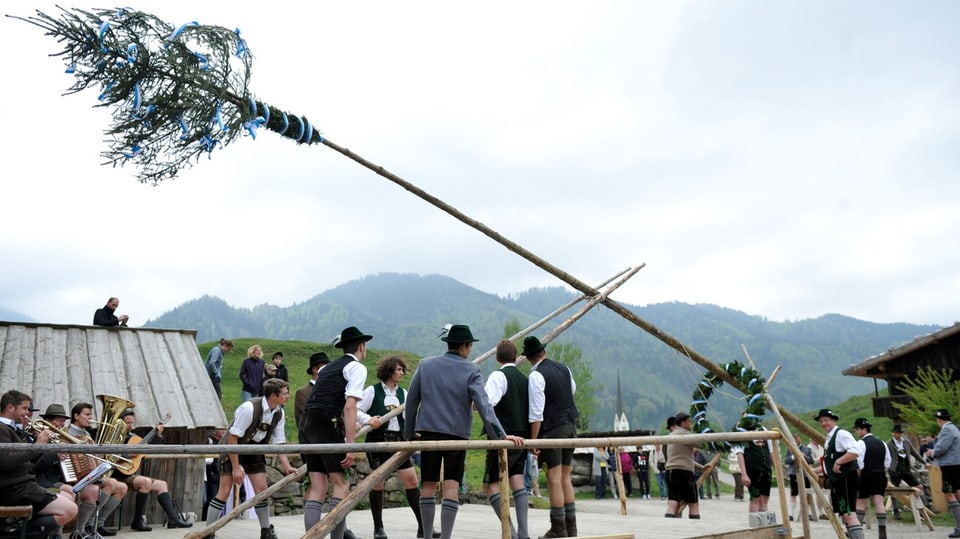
(110, 428)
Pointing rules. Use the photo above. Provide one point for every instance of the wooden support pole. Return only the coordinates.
(778, 467)
(619, 480)
(504, 495)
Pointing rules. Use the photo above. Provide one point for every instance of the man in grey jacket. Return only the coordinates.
(438, 408)
(946, 454)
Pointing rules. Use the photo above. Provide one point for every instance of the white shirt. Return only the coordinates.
(496, 386)
(244, 416)
(356, 375)
(862, 448)
(845, 441)
(389, 399)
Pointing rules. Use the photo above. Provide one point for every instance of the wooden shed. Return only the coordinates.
(159, 370)
(938, 350)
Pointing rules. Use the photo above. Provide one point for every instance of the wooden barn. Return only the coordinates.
(159, 370)
(938, 350)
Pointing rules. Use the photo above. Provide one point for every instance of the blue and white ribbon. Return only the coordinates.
(133, 151)
(242, 50)
(103, 94)
(176, 33)
(252, 125)
(183, 127)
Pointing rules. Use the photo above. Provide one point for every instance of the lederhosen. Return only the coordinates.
(873, 476)
(322, 421)
(756, 459)
(513, 413)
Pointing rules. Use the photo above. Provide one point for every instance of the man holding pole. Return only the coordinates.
(840, 461)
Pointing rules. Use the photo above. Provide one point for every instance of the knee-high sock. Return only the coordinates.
(376, 508)
(213, 512)
(954, 508)
(413, 500)
(84, 513)
(262, 509)
(521, 504)
(448, 516)
(495, 504)
(166, 502)
(882, 519)
(107, 509)
(140, 505)
(855, 531)
(337, 532)
(862, 516)
(312, 513)
(428, 510)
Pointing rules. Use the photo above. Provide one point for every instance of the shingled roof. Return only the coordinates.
(159, 370)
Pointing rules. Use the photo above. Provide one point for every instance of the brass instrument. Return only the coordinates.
(77, 465)
(111, 429)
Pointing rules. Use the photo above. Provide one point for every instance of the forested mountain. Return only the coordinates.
(406, 312)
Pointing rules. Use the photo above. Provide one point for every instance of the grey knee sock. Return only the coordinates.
(339, 529)
(213, 512)
(522, 506)
(882, 519)
(107, 508)
(262, 509)
(855, 531)
(428, 510)
(448, 516)
(495, 504)
(954, 508)
(84, 513)
(312, 513)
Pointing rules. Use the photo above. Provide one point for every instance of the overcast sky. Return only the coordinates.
(786, 159)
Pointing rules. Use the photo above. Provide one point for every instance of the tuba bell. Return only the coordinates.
(110, 428)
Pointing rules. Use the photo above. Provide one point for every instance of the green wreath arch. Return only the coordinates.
(750, 418)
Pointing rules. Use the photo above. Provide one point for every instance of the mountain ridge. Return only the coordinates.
(406, 312)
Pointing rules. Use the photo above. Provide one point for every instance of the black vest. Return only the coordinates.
(558, 408)
(328, 391)
(831, 455)
(873, 457)
(513, 408)
(756, 456)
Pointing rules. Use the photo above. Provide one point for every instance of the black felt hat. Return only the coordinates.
(862, 423)
(317, 359)
(532, 345)
(826, 412)
(458, 334)
(681, 417)
(942, 413)
(897, 428)
(351, 335)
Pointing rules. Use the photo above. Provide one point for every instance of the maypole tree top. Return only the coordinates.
(176, 92)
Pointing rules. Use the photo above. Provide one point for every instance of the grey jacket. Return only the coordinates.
(441, 396)
(909, 451)
(946, 450)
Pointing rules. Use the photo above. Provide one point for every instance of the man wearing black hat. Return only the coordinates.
(330, 417)
(438, 408)
(553, 414)
(902, 455)
(840, 460)
(873, 460)
(317, 362)
(946, 454)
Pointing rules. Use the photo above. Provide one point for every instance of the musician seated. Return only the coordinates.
(18, 486)
(145, 485)
(111, 490)
(56, 472)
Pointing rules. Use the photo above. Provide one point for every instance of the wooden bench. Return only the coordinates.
(13, 520)
(911, 499)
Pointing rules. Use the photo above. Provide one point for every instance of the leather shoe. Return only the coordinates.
(956, 533)
(106, 532)
(436, 534)
(379, 533)
(140, 525)
(178, 523)
(348, 534)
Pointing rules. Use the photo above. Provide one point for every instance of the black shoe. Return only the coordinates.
(140, 525)
(348, 534)
(106, 532)
(178, 523)
(379, 533)
(436, 534)
(268, 533)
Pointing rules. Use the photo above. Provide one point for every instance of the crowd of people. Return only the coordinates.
(439, 404)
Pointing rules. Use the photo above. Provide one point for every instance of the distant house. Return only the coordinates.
(938, 350)
(159, 370)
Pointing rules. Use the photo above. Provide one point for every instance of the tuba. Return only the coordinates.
(110, 428)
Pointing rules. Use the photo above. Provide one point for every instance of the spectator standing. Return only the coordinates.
(106, 315)
(903, 458)
(795, 471)
(661, 471)
(215, 364)
(532, 475)
(626, 468)
(600, 472)
(251, 373)
(713, 479)
(440, 404)
(553, 415)
(643, 471)
(946, 454)
(281, 372)
(816, 451)
(733, 463)
(755, 465)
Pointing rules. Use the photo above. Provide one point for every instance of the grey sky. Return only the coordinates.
(785, 159)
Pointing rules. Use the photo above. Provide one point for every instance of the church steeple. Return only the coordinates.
(620, 422)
